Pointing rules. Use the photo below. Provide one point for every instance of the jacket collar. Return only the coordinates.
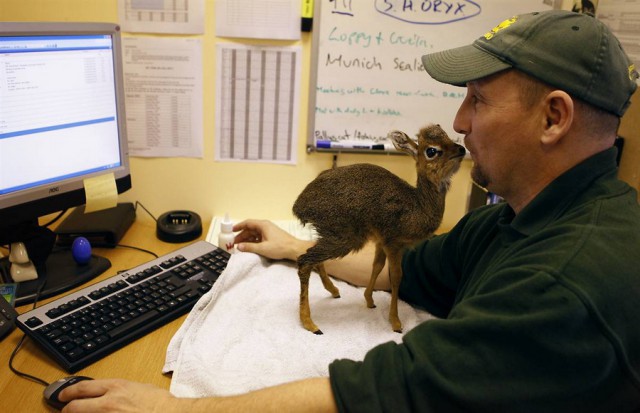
(559, 194)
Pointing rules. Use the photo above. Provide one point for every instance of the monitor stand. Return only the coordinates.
(60, 273)
(55, 264)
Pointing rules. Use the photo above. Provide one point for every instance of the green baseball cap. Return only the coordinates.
(571, 51)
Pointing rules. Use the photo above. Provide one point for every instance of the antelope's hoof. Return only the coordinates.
(396, 326)
(336, 295)
(311, 326)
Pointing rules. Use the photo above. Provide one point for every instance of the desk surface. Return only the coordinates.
(141, 360)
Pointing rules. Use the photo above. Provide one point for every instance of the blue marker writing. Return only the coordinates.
(351, 145)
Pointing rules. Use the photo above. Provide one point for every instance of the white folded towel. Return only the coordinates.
(245, 333)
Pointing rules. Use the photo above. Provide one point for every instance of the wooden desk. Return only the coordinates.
(141, 360)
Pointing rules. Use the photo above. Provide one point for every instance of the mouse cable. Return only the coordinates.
(19, 345)
(20, 373)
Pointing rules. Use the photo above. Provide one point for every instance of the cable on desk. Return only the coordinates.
(54, 219)
(143, 207)
(135, 248)
(138, 248)
(19, 345)
(22, 374)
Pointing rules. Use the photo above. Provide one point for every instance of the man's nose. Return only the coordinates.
(461, 122)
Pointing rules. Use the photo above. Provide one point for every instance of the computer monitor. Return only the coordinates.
(62, 121)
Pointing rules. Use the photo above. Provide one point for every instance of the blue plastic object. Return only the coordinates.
(81, 250)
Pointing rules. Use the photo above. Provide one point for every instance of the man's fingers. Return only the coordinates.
(86, 389)
(249, 247)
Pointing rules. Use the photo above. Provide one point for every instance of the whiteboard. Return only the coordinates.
(367, 76)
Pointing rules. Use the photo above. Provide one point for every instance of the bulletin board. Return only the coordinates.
(367, 76)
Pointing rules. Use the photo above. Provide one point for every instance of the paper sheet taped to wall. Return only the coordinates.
(257, 95)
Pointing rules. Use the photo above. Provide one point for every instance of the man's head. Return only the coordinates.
(544, 92)
(570, 51)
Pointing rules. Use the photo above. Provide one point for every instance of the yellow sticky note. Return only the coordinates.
(101, 192)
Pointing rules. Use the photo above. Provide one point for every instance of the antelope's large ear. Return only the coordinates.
(403, 143)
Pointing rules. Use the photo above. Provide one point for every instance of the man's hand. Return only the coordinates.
(267, 239)
(114, 395)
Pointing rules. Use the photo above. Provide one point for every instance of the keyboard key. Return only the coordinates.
(33, 322)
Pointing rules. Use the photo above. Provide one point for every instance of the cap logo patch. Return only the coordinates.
(633, 73)
(489, 35)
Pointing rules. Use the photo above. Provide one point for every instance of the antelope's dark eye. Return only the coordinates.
(432, 152)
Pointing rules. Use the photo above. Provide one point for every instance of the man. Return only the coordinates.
(537, 296)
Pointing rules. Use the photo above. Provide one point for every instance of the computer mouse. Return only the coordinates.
(52, 391)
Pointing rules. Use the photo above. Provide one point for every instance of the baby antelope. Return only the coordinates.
(352, 205)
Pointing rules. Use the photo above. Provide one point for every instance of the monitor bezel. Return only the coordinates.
(67, 193)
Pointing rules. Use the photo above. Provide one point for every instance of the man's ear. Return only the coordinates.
(559, 116)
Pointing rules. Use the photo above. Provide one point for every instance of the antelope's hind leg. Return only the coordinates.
(305, 311)
(378, 264)
(326, 281)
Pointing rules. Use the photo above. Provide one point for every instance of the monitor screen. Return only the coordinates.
(62, 118)
(61, 114)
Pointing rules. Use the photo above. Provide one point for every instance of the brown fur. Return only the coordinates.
(351, 205)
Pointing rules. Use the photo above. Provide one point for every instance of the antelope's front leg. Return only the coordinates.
(395, 276)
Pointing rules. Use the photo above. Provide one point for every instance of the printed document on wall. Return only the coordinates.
(257, 99)
(163, 89)
(259, 19)
(162, 16)
(623, 18)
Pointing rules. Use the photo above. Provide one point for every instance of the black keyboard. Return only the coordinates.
(87, 325)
